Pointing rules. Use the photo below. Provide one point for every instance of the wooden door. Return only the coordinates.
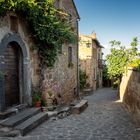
(12, 95)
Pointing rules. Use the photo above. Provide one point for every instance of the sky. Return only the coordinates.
(110, 19)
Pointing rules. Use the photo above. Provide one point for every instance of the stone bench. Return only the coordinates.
(80, 107)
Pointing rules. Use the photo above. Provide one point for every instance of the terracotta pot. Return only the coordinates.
(38, 104)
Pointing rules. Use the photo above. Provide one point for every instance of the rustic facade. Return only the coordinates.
(20, 65)
(90, 55)
(130, 92)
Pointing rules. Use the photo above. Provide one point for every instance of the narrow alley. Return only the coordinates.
(104, 119)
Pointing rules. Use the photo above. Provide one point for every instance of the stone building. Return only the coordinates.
(20, 64)
(90, 57)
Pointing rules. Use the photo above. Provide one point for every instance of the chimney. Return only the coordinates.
(93, 35)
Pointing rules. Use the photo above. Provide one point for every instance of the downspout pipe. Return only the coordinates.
(78, 79)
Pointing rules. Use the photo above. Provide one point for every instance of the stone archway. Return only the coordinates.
(25, 94)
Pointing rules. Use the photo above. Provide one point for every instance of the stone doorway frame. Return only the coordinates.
(26, 84)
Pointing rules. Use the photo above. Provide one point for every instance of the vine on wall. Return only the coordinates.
(49, 31)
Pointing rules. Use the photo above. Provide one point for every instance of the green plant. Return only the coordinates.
(36, 97)
(48, 30)
(135, 63)
(118, 59)
(43, 103)
(83, 78)
(105, 73)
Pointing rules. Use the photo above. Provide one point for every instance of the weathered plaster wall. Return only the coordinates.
(130, 92)
(24, 34)
(30, 61)
(35, 69)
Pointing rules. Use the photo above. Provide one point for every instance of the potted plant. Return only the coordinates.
(37, 100)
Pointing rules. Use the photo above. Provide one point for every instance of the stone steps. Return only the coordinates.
(12, 111)
(22, 122)
(20, 117)
(31, 123)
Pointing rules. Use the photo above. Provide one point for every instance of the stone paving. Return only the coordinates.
(104, 119)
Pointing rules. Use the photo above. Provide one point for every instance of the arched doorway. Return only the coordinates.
(15, 80)
(13, 74)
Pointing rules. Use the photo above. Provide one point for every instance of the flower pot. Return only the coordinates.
(38, 104)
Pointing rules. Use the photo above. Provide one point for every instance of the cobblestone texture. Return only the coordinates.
(104, 119)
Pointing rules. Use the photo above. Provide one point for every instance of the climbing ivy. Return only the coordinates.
(49, 31)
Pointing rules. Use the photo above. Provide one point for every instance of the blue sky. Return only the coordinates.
(110, 19)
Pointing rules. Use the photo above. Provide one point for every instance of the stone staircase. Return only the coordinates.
(28, 118)
(22, 122)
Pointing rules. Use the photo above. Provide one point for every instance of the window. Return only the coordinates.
(14, 23)
(70, 64)
(88, 44)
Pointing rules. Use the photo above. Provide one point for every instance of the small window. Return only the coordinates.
(70, 64)
(14, 23)
(88, 44)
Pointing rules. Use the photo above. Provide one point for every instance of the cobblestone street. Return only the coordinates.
(104, 119)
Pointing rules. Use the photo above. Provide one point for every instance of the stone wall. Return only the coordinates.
(130, 92)
(62, 78)
(24, 34)
(31, 67)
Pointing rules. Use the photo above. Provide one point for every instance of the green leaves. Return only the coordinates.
(83, 78)
(48, 30)
(119, 58)
(134, 43)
